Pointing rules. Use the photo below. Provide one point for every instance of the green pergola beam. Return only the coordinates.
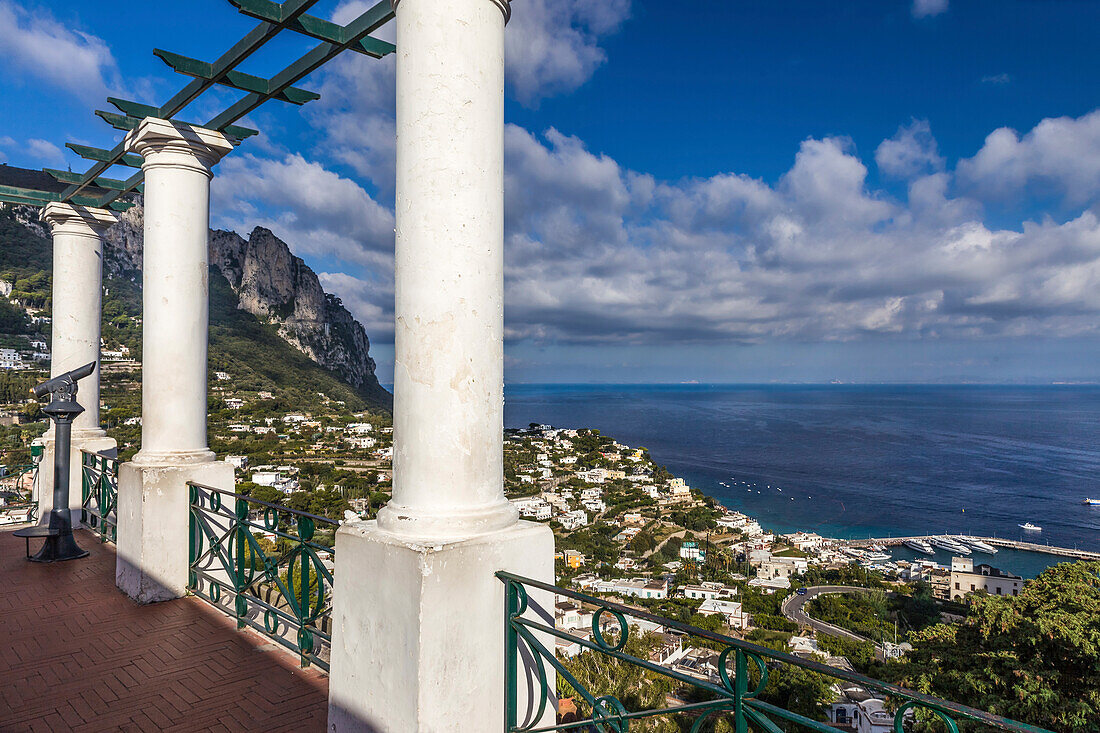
(274, 17)
(240, 51)
(313, 26)
(34, 197)
(70, 177)
(357, 30)
(234, 79)
(105, 157)
(129, 122)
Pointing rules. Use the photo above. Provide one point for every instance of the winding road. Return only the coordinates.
(792, 609)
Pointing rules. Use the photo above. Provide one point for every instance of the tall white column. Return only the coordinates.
(76, 326)
(418, 614)
(153, 496)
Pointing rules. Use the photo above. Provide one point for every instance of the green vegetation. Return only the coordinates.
(1033, 658)
(874, 614)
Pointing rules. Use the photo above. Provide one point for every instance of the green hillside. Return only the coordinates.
(250, 351)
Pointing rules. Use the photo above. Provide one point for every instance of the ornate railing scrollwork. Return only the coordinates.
(261, 563)
(737, 697)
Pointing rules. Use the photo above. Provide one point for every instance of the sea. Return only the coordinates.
(864, 461)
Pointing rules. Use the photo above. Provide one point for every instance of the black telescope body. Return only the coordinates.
(63, 407)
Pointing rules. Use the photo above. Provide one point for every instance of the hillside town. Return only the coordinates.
(629, 531)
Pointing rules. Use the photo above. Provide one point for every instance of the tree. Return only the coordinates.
(1033, 658)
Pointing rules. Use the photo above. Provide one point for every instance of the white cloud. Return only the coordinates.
(911, 151)
(38, 45)
(553, 46)
(997, 79)
(45, 151)
(370, 300)
(928, 8)
(1060, 156)
(316, 211)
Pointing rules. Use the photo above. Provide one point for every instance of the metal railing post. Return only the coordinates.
(511, 656)
(740, 686)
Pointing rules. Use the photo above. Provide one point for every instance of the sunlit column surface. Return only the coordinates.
(75, 328)
(418, 615)
(153, 495)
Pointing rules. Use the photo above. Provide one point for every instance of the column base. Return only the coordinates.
(95, 441)
(420, 626)
(451, 524)
(153, 526)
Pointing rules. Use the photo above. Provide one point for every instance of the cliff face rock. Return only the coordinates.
(276, 287)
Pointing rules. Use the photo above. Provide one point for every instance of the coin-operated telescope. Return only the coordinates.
(60, 543)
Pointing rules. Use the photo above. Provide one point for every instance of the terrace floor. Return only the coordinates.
(81, 656)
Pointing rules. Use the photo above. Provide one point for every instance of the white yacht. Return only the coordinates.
(1091, 502)
(872, 556)
(975, 544)
(920, 546)
(1029, 527)
(946, 543)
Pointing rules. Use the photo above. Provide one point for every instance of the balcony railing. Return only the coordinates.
(19, 482)
(734, 695)
(99, 481)
(261, 564)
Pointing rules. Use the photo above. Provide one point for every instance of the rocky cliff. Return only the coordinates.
(276, 287)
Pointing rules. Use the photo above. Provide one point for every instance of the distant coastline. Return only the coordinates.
(1021, 459)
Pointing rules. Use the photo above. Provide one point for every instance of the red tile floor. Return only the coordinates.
(78, 655)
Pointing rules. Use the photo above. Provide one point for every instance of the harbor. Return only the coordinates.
(994, 541)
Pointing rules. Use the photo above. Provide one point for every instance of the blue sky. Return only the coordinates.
(890, 190)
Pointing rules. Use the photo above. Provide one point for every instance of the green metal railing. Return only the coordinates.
(734, 695)
(99, 484)
(20, 480)
(260, 563)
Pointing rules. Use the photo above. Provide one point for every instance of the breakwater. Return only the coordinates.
(995, 541)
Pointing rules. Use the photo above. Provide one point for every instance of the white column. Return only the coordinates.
(153, 496)
(418, 614)
(76, 326)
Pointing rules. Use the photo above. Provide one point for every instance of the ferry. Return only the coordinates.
(920, 546)
(875, 556)
(976, 544)
(1091, 502)
(946, 543)
(1029, 527)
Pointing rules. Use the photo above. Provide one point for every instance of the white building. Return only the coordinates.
(636, 588)
(234, 403)
(730, 611)
(574, 519)
(708, 590)
(968, 578)
(10, 359)
(534, 508)
(361, 442)
(238, 462)
(770, 585)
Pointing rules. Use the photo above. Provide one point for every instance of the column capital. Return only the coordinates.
(87, 221)
(167, 143)
(504, 5)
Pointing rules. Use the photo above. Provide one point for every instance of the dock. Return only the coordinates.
(995, 541)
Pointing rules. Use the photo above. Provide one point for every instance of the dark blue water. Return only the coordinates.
(855, 461)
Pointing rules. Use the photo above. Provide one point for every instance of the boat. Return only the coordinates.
(920, 546)
(975, 544)
(876, 556)
(1029, 527)
(1091, 502)
(946, 543)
